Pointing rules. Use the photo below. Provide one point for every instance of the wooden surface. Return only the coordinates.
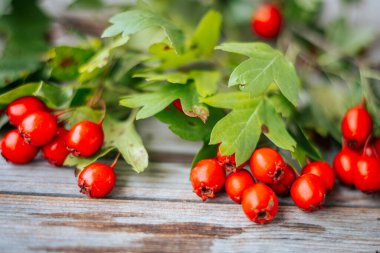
(41, 210)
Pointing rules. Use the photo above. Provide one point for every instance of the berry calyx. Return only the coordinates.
(323, 170)
(22, 107)
(357, 126)
(236, 183)
(267, 165)
(367, 174)
(85, 138)
(308, 192)
(228, 162)
(267, 21)
(282, 187)
(55, 151)
(207, 178)
(38, 128)
(260, 203)
(345, 163)
(14, 149)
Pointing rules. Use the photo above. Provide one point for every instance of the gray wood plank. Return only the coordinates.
(65, 224)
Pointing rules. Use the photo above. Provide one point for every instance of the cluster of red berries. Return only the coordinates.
(37, 128)
(271, 176)
(358, 162)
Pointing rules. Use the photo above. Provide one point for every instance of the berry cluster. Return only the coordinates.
(358, 162)
(272, 177)
(37, 128)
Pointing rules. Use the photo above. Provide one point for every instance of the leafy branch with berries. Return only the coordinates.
(252, 104)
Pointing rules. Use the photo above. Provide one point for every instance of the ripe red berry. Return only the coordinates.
(345, 163)
(55, 151)
(207, 178)
(267, 165)
(367, 174)
(260, 203)
(22, 107)
(14, 149)
(85, 138)
(356, 126)
(178, 105)
(308, 192)
(97, 180)
(38, 128)
(322, 170)
(236, 183)
(228, 162)
(282, 187)
(267, 21)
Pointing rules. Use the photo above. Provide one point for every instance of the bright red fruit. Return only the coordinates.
(236, 183)
(85, 138)
(282, 187)
(345, 163)
(22, 107)
(55, 151)
(308, 192)
(356, 126)
(14, 149)
(367, 174)
(267, 165)
(260, 203)
(178, 105)
(38, 128)
(97, 180)
(228, 162)
(267, 21)
(207, 178)
(322, 170)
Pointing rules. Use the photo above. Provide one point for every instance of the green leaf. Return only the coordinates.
(171, 77)
(231, 100)
(207, 151)
(207, 34)
(130, 22)
(54, 96)
(265, 66)
(83, 113)
(206, 82)
(81, 162)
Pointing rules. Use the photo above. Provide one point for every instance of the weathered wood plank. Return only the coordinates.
(64, 224)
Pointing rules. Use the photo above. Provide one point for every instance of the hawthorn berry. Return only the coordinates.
(38, 128)
(22, 107)
(267, 165)
(228, 162)
(308, 192)
(260, 203)
(356, 126)
(236, 183)
(367, 174)
(55, 151)
(14, 149)
(207, 178)
(267, 21)
(282, 187)
(322, 170)
(345, 163)
(85, 138)
(178, 105)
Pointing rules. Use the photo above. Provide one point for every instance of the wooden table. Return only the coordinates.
(41, 210)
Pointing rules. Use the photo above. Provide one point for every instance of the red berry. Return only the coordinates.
(97, 180)
(322, 170)
(14, 149)
(55, 151)
(267, 21)
(236, 183)
(207, 178)
(178, 105)
(85, 138)
(357, 126)
(282, 187)
(367, 174)
(228, 162)
(260, 203)
(308, 192)
(345, 164)
(267, 165)
(38, 128)
(22, 107)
